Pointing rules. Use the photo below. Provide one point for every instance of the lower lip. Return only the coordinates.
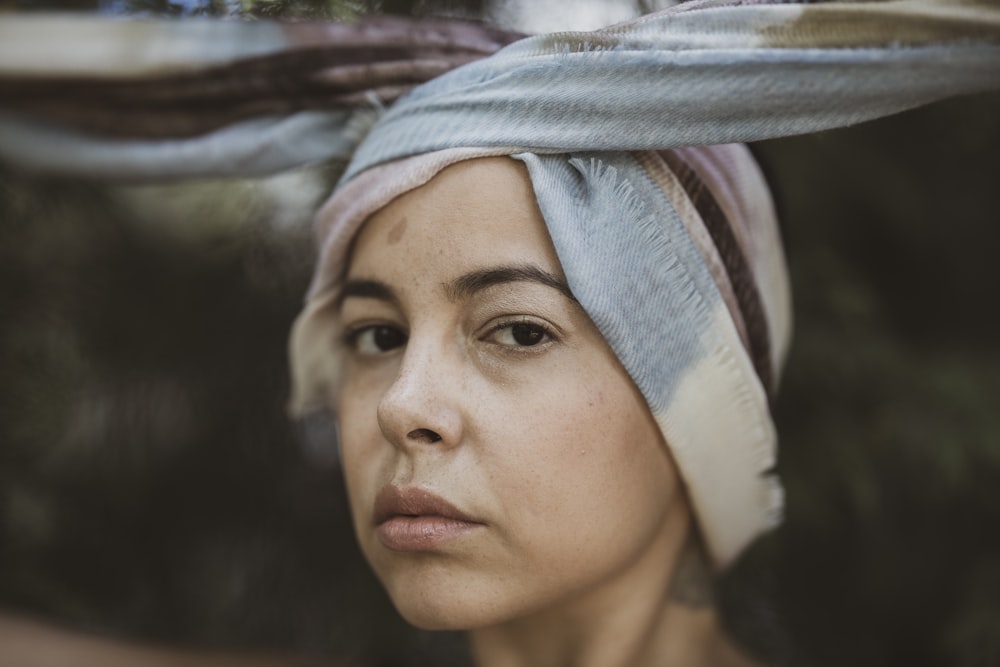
(421, 533)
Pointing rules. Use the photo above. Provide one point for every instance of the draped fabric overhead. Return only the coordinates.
(152, 100)
(148, 100)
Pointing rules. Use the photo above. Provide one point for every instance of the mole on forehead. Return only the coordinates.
(397, 231)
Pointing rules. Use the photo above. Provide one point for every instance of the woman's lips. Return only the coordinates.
(413, 519)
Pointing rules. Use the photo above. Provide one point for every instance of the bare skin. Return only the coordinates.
(652, 626)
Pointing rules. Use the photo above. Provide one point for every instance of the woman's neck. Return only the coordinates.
(659, 613)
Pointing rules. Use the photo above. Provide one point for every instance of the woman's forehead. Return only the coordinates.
(472, 214)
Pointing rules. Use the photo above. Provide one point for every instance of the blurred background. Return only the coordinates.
(153, 493)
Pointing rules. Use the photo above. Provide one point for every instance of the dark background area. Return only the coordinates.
(152, 488)
(888, 413)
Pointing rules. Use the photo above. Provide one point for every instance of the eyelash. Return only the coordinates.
(548, 334)
(351, 338)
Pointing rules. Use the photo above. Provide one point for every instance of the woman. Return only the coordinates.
(551, 360)
(505, 473)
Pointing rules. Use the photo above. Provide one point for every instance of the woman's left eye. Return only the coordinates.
(520, 334)
(375, 339)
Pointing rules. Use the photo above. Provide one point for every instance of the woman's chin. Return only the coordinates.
(433, 592)
(445, 610)
(427, 615)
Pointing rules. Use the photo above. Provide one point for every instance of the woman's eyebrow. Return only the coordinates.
(365, 289)
(475, 281)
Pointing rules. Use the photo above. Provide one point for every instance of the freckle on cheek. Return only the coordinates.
(597, 398)
(395, 234)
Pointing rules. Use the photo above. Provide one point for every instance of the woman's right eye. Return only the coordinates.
(375, 339)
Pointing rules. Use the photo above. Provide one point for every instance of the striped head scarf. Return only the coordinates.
(661, 224)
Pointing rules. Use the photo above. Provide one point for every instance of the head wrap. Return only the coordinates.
(680, 242)
(674, 255)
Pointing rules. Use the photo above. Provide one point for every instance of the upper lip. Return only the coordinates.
(393, 501)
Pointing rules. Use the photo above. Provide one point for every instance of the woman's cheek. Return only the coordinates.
(360, 445)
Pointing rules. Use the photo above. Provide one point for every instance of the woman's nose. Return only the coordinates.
(420, 407)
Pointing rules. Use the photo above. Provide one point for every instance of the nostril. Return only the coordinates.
(423, 435)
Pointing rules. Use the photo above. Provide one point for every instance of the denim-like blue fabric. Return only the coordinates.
(630, 263)
(535, 97)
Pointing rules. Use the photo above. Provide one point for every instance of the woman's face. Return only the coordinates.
(499, 460)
